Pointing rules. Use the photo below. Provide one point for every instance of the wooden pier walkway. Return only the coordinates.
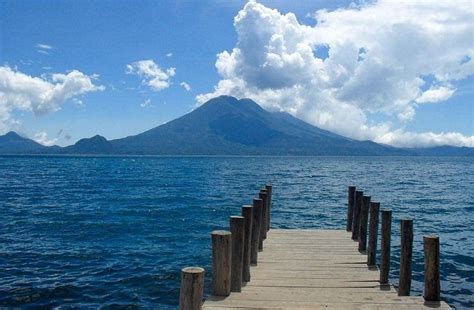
(315, 269)
(255, 267)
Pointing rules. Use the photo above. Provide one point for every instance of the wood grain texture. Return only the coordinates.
(364, 220)
(373, 233)
(356, 214)
(237, 228)
(386, 236)
(432, 281)
(350, 207)
(255, 238)
(221, 262)
(247, 213)
(269, 188)
(315, 269)
(192, 288)
(406, 248)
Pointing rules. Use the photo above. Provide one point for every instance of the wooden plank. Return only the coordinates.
(314, 269)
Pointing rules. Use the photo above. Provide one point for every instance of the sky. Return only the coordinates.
(395, 72)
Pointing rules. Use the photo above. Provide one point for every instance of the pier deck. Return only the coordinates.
(315, 269)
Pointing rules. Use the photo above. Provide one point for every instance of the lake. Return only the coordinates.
(107, 232)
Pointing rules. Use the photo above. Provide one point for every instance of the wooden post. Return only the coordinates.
(247, 213)
(263, 228)
(364, 218)
(406, 248)
(432, 281)
(350, 207)
(221, 262)
(386, 235)
(192, 288)
(254, 241)
(356, 217)
(237, 228)
(269, 188)
(373, 233)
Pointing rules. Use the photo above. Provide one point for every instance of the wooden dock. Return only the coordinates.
(315, 269)
(254, 267)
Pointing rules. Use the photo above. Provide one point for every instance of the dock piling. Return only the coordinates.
(255, 238)
(237, 228)
(269, 189)
(432, 279)
(386, 235)
(364, 219)
(221, 262)
(192, 288)
(263, 224)
(356, 215)
(350, 207)
(298, 269)
(373, 233)
(247, 213)
(406, 248)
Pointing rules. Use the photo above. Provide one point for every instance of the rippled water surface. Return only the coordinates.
(96, 232)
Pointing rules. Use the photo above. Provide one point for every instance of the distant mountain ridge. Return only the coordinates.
(226, 126)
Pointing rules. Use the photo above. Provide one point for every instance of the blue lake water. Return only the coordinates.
(95, 232)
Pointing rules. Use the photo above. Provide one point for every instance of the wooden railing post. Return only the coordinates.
(269, 188)
(386, 235)
(406, 248)
(221, 262)
(350, 207)
(373, 233)
(192, 288)
(364, 219)
(432, 279)
(263, 223)
(255, 239)
(247, 213)
(237, 228)
(356, 215)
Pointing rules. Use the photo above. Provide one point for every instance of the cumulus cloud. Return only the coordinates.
(380, 57)
(151, 74)
(436, 94)
(185, 86)
(169, 55)
(42, 138)
(39, 95)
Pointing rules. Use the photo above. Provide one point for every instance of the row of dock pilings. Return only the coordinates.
(233, 252)
(359, 209)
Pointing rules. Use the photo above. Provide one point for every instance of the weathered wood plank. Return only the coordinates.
(315, 269)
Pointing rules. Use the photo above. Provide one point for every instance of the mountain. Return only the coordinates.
(13, 143)
(226, 126)
(95, 145)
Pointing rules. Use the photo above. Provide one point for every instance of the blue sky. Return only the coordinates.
(39, 38)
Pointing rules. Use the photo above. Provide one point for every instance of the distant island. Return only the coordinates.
(227, 126)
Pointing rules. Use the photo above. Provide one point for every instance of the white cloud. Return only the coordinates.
(380, 57)
(42, 138)
(185, 86)
(39, 95)
(169, 55)
(436, 94)
(153, 76)
(146, 104)
(409, 139)
(44, 46)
